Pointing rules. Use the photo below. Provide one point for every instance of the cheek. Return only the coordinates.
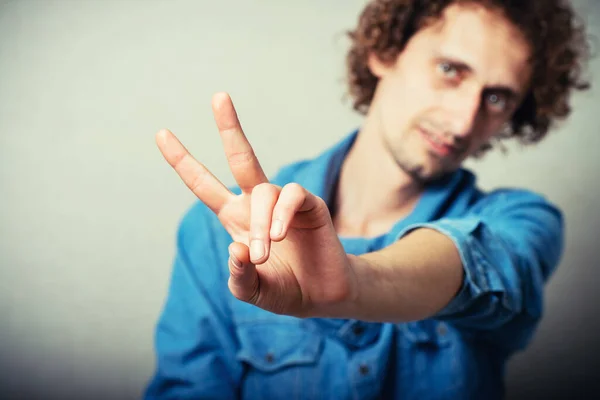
(490, 128)
(485, 135)
(420, 90)
(406, 101)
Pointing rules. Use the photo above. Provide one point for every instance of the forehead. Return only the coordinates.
(483, 39)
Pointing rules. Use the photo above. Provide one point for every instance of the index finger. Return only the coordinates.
(195, 175)
(243, 163)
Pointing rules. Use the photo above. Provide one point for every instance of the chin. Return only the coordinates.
(430, 173)
(422, 166)
(431, 176)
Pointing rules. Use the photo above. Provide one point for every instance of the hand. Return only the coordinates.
(286, 256)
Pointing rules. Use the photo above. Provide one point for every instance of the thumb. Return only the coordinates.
(243, 277)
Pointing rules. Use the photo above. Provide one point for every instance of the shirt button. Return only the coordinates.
(363, 369)
(269, 358)
(358, 330)
(442, 329)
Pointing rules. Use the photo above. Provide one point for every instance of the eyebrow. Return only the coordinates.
(463, 67)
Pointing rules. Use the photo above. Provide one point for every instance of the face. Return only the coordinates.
(456, 84)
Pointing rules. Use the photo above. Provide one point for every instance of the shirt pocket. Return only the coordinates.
(430, 360)
(280, 358)
(429, 333)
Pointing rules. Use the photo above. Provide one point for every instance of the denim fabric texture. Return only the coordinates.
(210, 345)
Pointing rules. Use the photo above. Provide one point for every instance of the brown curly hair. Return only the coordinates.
(557, 38)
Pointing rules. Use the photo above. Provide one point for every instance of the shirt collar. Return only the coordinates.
(320, 176)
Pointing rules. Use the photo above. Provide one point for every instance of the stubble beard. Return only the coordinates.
(413, 167)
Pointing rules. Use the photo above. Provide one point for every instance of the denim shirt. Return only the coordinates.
(209, 345)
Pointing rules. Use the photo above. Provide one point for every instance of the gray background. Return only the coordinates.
(89, 208)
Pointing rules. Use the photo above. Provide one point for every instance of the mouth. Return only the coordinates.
(437, 145)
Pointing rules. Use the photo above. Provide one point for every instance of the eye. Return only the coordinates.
(448, 70)
(496, 102)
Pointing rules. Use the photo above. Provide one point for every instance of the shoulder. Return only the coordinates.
(516, 200)
(515, 211)
(466, 185)
(529, 221)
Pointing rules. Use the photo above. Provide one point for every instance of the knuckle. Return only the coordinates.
(259, 231)
(320, 202)
(178, 160)
(295, 189)
(247, 293)
(234, 272)
(265, 189)
(261, 187)
(296, 193)
(198, 181)
(240, 158)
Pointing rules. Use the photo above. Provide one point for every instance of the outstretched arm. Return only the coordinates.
(482, 271)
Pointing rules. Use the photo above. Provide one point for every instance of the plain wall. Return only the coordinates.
(89, 208)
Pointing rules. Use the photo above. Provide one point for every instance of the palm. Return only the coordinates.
(289, 270)
(288, 274)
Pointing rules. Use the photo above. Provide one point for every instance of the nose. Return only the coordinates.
(463, 109)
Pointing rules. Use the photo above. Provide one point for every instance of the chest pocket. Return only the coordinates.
(432, 364)
(427, 334)
(279, 358)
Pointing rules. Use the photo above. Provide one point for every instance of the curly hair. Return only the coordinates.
(555, 34)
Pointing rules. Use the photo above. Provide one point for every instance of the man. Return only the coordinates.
(378, 269)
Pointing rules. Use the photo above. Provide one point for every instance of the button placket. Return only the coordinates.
(364, 369)
(358, 330)
(358, 333)
(269, 357)
(442, 329)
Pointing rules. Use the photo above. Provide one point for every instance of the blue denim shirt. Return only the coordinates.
(210, 345)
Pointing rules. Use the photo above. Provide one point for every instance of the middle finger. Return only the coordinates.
(242, 161)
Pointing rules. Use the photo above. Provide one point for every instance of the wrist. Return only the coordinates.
(345, 303)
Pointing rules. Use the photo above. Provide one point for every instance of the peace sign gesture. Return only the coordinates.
(286, 256)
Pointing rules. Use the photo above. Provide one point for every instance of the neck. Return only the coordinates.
(373, 192)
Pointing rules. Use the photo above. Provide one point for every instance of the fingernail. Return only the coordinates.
(277, 228)
(235, 261)
(257, 249)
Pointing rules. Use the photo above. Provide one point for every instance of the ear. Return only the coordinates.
(378, 67)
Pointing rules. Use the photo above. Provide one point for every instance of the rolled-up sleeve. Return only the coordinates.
(509, 245)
